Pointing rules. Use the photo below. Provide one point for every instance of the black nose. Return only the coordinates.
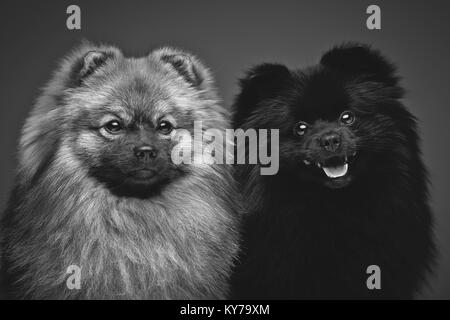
(330, 141)
(145, 153)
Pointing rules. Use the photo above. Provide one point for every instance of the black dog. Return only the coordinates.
(351, 190)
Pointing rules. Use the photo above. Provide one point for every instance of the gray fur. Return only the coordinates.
(179, 244)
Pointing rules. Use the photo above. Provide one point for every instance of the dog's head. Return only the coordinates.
(121, 117)
(338, 121)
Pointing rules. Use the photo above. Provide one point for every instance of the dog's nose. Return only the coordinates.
(330, 141)
(145, 153)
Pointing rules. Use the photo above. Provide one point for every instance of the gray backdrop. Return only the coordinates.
(229, 37)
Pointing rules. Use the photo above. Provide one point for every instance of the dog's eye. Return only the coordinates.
(300, 128)
(165, 127)
(347, 118)
(113, 127)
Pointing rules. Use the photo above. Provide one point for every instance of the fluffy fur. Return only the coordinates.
(309, 235)
(139, 226)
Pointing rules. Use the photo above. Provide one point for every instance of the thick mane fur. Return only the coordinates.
(303, 239)
(177, 244)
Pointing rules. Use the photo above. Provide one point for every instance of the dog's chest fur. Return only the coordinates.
(174, 245)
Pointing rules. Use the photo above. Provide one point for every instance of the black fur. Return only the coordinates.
(311, 236)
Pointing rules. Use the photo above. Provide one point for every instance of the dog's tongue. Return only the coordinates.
(336, 172)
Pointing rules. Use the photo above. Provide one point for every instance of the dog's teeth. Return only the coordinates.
(336, 172)
(306, 162)
(319, 165)
(346, 159)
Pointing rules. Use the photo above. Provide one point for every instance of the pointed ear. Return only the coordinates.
(90, 61)
(265, 81)
(82, 62)
(185, 65)
(355, 59)
(39, 137)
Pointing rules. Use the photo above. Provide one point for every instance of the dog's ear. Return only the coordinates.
(90, 60)
(359, 60)
(264, 81)
(39, 139)
(81, 63)
(89, 63)
(186, 65)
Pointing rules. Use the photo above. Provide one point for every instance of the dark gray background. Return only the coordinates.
(229, 37)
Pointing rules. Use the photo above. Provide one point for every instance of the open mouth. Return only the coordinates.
(334, 167)
(337, 171)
